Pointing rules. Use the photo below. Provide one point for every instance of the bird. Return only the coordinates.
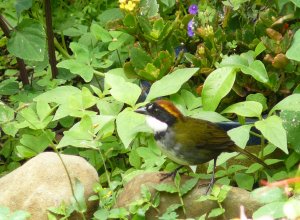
(186, 140)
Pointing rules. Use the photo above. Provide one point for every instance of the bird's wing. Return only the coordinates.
(204, 134)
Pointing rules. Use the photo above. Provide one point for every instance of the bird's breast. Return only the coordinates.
(179, 153)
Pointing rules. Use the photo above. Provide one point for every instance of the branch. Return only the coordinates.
(21, 64)
(50, 39)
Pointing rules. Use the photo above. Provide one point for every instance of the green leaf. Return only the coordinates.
(29, 117)
(101, 214)
(109, 106)
(146, 194)
(245, 62)
(80, 135)
(273, 130)
(246, 109)
(119, 38)
(123, 91)
(19, 215)
(22, 5)
(165, 187)
(257, 70)
(28, 41)
(84, 70)
(173, 207)
(208, 115)
(216, 212)
(6, 113)
(234, 61)
(150, 72)
(43, 110)
(234, 168)
(118, 213)
(151, 159)
(31, 145)
(269, 194)
(100, 33)
(134, 159)
(296, 2)
(4, 212)
(163, 62)
(88, 100)
(258, 97)
(139, 58)
(291, 103)
(9, 87)
(254, 167)
(274, 209)
(73, 105)
(10, 128)
(130, 21)
(81, 52)
(216, 86)
(259, 48)
(170, 83)
(188, 185)
(149, 8)
(128, 125)
(291, 123)
(78, 202)
(244, 181)
(59, 95)
(293, 52)
(240, 135)
(223, 193)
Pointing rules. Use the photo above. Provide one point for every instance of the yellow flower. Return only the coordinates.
(122, 6)
(122, 1)
(130, 6)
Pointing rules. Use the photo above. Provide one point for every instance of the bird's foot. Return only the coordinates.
(165, 176)
(170, 174)
(210, 185)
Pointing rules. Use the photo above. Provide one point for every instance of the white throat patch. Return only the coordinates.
(156, 125)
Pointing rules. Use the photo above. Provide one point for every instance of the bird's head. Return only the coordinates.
(160, 114)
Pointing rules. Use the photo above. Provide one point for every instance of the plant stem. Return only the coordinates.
(119, 58)
(50, 39)
(181, 202)
(53, 146)
(63, 41)
(61, 49)
(255, 134)
(23, 72)
(105, 168)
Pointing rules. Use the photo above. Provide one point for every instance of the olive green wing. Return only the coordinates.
(203, 134)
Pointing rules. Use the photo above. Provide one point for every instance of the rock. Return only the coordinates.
(42, 183)
(235, 198)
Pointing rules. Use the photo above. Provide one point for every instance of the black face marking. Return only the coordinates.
(160, 113)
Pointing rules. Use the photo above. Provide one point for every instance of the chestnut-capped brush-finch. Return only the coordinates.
(186, 140)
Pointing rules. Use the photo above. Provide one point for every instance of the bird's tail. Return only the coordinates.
(250, 156)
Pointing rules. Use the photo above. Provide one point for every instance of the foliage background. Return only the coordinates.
(241, 62)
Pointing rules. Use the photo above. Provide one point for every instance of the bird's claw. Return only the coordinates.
(170, 174)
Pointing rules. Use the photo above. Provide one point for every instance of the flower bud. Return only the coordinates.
(275, 35)
(280, 61)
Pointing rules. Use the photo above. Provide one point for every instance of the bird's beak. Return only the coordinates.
(142, 110)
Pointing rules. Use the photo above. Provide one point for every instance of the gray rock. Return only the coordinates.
(42, 183)
(235, 198)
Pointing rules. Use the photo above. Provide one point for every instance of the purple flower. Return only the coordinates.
(190, 28)
(193, 9)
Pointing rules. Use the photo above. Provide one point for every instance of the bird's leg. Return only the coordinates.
(212, 180)
(171, 174)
